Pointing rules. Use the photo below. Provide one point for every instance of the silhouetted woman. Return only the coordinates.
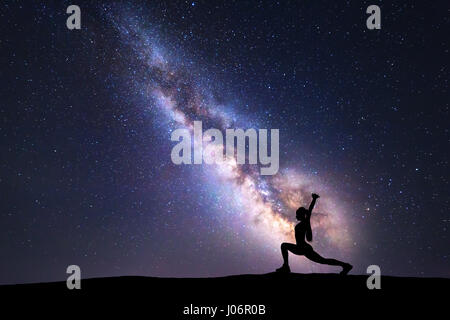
(302, 229)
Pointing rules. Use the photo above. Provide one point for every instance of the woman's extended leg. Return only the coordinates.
(314, 256)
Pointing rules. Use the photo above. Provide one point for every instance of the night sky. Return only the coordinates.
(86, 116)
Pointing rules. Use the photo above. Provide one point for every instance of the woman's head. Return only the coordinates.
(301, 213)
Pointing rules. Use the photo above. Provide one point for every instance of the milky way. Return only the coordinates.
(173, 88)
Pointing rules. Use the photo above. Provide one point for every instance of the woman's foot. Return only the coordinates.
(346, 268)
(284, 268)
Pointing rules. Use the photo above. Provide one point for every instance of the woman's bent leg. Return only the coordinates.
(285, 247)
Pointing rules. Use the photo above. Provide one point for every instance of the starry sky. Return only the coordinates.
(86, 117)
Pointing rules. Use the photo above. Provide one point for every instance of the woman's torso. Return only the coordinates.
(300, 232)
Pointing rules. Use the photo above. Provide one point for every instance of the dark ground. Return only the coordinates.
(291, 296)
